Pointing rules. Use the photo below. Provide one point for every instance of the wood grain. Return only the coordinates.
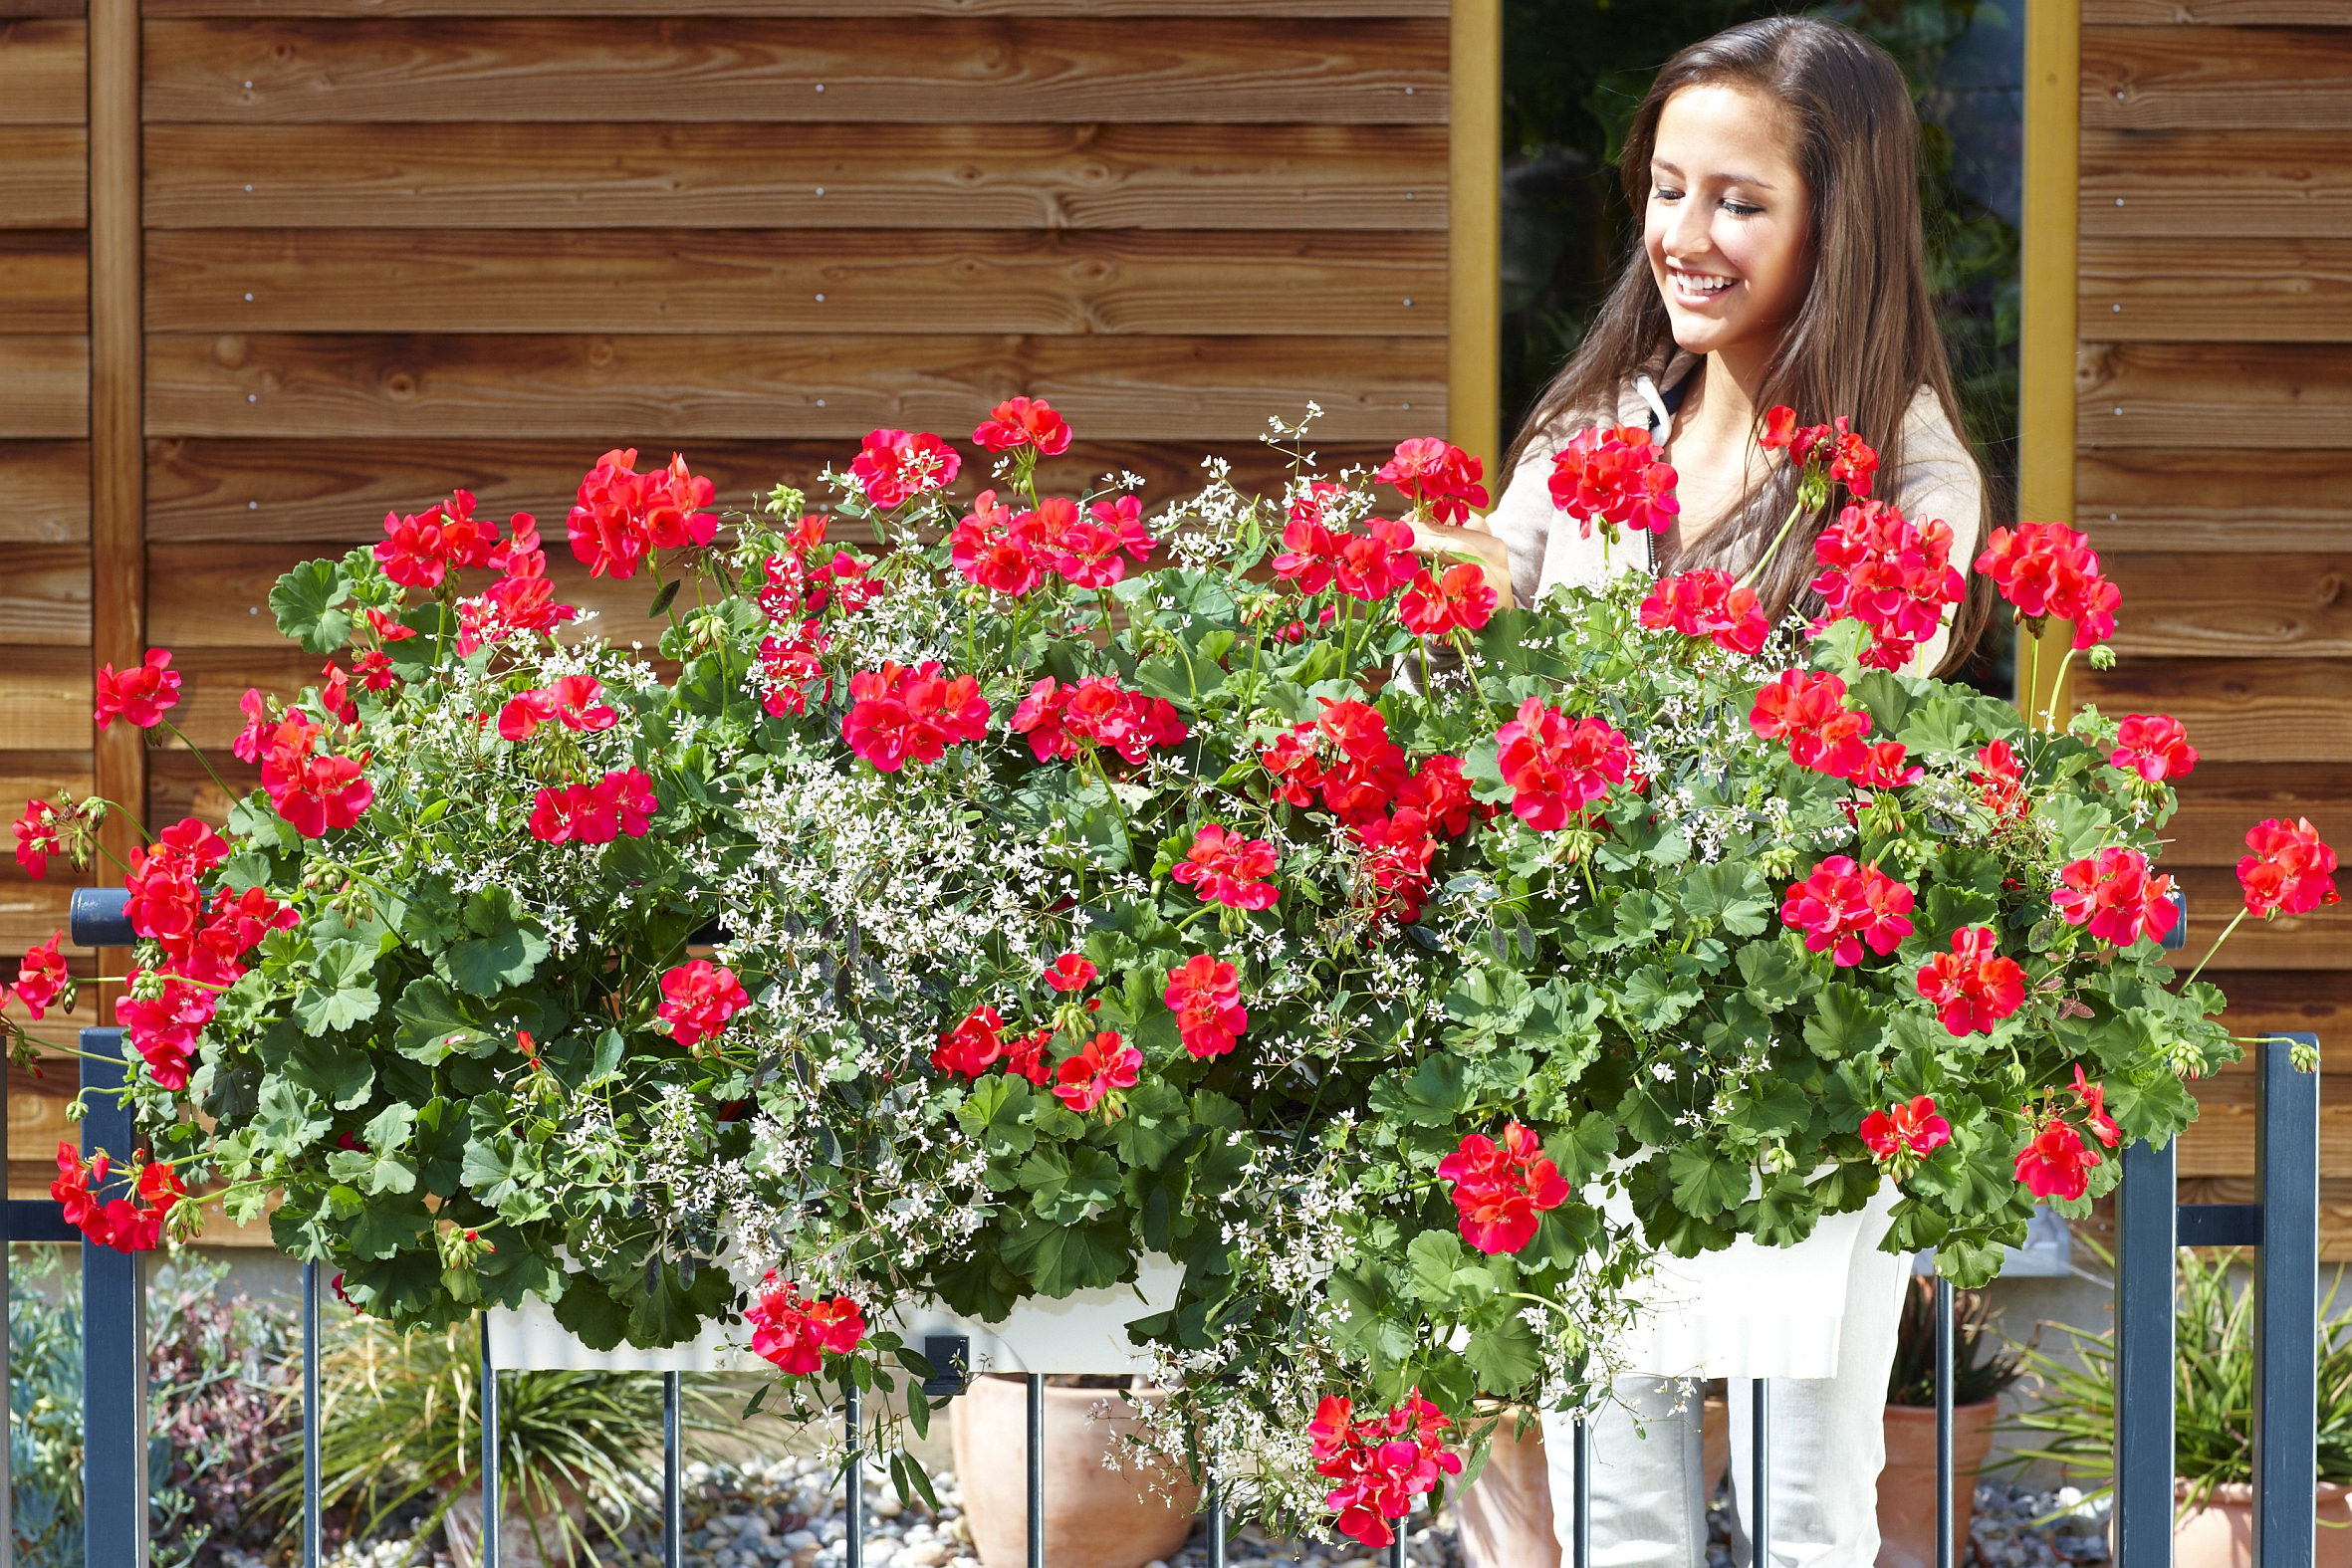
(1021, 70)
(339, 492)
(2221, 801)
(867, 177)
(776, 387)
(29, 913)
(2265, 395)
(2218, 498)
(2312, 1001)
(44, 702)
(16, 8)
(48, 488)
(44, 594)
(2237, 710)
(788, 8)
(43, 386)
(178, 786)
(43, 176)
(2216, 13)
(2317, 941)
(214, 681)
(2196, 289)
(2217, 185)
(42, 71)
(2220, 1142)
(44, 280)
(2180, 78)
(2235, 605)
(779, 281)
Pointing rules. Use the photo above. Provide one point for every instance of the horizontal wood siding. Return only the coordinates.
(2215, 473)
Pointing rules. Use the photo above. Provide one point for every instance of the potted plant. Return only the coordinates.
(1106, 1504)
(2213, 1416)
(1228, 885)
(1982, 1367)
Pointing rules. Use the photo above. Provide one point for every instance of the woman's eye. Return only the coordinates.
(1665, 193)
(1742, 209)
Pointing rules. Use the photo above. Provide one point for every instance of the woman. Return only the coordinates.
(1781, 262)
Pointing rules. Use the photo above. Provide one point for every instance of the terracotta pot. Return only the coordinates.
(1907, 1487)
(1506, 1516)
(1715, 1444)
(519, 1546)
(1095, 1516)
(2222, 1533)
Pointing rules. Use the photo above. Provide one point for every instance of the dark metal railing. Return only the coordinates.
(2281, 1224)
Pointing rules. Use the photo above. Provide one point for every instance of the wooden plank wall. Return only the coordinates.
(2215, 470)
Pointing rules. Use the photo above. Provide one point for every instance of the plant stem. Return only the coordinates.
(2049, 711)
(1747, 580)
(2215, 948)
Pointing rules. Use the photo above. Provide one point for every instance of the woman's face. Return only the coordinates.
(1729, 221)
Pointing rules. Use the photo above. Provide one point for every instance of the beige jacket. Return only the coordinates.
(1939, 480)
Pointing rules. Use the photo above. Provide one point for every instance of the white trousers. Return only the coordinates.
(1827, 1442)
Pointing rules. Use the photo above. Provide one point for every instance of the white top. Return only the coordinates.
(1748, 1310)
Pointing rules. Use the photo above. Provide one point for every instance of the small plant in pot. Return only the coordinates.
(2212, 1417)
(1982, 1367)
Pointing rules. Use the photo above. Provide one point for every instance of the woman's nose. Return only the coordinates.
(1687, 239)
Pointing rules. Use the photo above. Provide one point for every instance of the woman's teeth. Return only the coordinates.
(1691, 283)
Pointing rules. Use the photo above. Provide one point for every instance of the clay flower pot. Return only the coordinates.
(1907, 1487)
(1095, 1515)
(2222, 1533)
(519, 1545)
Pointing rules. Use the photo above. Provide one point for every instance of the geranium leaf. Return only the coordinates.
(1062, 1259)
(305, 602)
(485, 966)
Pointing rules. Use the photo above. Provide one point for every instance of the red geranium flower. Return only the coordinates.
(165, 1027)
(1086, 552)
(1397, 851)
(2153, 746)
(312, 793)
(697, 1000)
(1435, 474)
(620, 516)
(972, 1046)
(1310, 553)
(2055, 1162)
(1611, 476)
(1022, 421)
(1073, 720)
(1070, 972)
(40, 833)
(2048, 568)
(1501, 1189)
(1026, 1057)
(1708, 604)
(1809, 713)
(1843, 905)
(1434, 606)
(1999, 783)
(140, 693)
(893, 465)
(622, 801)
(1205, 994)
(1972, 987)
(1375, 563)
(1230, 870)
(127, 1225)
(897, 715)
(794, 1334)
(1912, 1129)
(1439, 792)
(1103, 1064)
(991, 549)
(1883, 768)
(2112, 893)
(1557, 765)
(2092, 1097)
(41, 979)
(1893, 576)
(1850, 459)
(1382, 1464)
(2289, 872)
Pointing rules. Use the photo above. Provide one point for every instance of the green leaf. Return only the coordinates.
(1443, 1272)
(1777, 972)
(1435, 1093)
(1066, 1184)
(488, 965)
(1154, 1125)
(1703, 1184)
(1505, 1352)
(1654, 999)
(305, 602)
(431, 1022)
(993, 1112)
(661, 601)
(341, 990)
(1735, 897)
(290, 1118)
(1060, 1259)
(1487, 1003)
(339, 1073)
(1845, 1023)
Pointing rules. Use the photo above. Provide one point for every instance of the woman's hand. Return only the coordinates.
(1444, 545)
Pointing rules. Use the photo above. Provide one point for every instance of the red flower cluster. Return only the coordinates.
(1369, 566)
(1458, 600)
(2112, 893)
(1850, 460)
(1999, 783)
(1022, 421)
(794, 1334)
(790, 665)
(2046, 569)
(41, 978)
(1809, 713)
(1381, 1462)
(1611, 476)
(203, 944)
(898, 715)
(1095, 714)
(1103, 1064)
(893, 465)
(2289, 872)
(312, 793)
(140, 693)
(697, 1000)
(520, 602)
(1893, 576)
(127, 1225)
(1556, 766)
(1230, 870)
(1073, 972)
(2153, 746)
(42, 831)
(1361, 781)
(622, 801)
(1911, 1129)
(1205, 994)
(797, 587)
(978, 1043)
(621, 516)
(1397, 851)
(1433, 474)
(1501, 1189)
(1972, 987)
(421, 551)
(1708, 604)
(1885, 768)
(1843, 905)
(2056, 1163)
(569, 700)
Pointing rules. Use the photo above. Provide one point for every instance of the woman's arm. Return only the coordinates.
(1509, 542)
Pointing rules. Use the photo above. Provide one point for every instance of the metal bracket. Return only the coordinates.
(950, 1356)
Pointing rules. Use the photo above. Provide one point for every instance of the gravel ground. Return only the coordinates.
(790, 1513)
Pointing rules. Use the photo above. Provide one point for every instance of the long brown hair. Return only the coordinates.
(1865, 341)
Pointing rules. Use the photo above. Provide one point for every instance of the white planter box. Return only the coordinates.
(1085, 1332)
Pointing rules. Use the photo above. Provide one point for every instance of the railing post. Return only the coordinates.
(673, 1462)
(1759, 1533)
(1036, 1471)
(2286, 1304)
(853, 1478)
(1943, 1375)
(114, 1339)
(1581, 1534)
(1216, 1526)
(310, 1469)
(490, 1510)
(2145, 1241)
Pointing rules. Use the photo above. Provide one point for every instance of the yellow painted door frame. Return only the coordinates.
(2048, 330)
(1474, 256)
